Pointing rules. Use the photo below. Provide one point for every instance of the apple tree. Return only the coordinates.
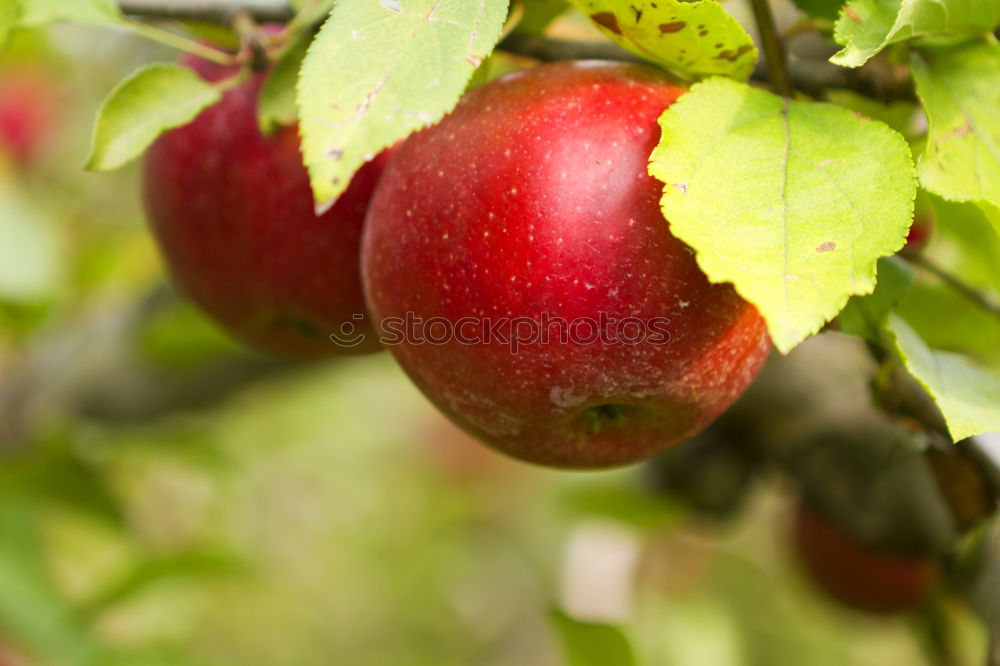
(815, 184)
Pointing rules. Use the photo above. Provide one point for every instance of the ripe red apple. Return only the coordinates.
(859, 576)
(532, 200)
(233, 214)
(29, 105)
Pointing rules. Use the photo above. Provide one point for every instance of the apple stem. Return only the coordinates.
(774, 49)
(953, 281)
(181, 43)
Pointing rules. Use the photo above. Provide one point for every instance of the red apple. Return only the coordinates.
(234, 217)
(919, 235)
(860, 576)
(29, 105)
(532, 201)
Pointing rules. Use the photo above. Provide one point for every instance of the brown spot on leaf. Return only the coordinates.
(607, 20)
(828, 246)
(853, 15)
(731, 55)
(676, 26)
(957, 132)
(474, 60)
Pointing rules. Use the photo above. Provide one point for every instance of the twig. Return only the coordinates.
(182, 43)
(213, 11)
(955, 283)
(774, 50)
(813, 77)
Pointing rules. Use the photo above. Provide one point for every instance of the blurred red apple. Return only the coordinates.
(29, 105)
(530, 209)
(233, 213)
(919, 235)
(860, 576)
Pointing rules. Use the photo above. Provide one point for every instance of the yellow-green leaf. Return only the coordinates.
(154, 99)
(793, 202)
(691, 39)
(960, 91)
(380, 70)
(968, 394)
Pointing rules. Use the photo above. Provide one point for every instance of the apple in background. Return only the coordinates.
(532, 200)
(29, 110)
(919, 235)
(233, 213)
(859, 576)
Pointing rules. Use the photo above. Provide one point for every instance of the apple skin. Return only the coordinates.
(29, 111)
(533, 197)
(859, 576)
(233, 213)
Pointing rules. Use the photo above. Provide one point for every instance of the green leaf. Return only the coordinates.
(865, 316)
(30, 255)
(10, 12)
(277, 96)
(974, 247)
(40, 12)
(592, 644)
(991, 212)
(154, 99)
(968, 394)
(820, 9)
(792, 202)
(960, 90)
(865, 27)
(380, 70)
(692, 39)
(538, 14)
(897, 115)
(188, 565)
(33, 612)
(945, 319)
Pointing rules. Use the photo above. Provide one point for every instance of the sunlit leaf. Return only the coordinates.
(960, 90)
(968, 394)
(793, 202)
(154, 99)
(380, 70)
(865, 27)
(691, 39)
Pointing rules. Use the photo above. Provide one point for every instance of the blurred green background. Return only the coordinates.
(167, 498)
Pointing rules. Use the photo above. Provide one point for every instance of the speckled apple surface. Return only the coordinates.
(234, 217)
(532, 199)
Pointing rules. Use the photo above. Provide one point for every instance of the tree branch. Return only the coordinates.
(813, 77)
(214, 11)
